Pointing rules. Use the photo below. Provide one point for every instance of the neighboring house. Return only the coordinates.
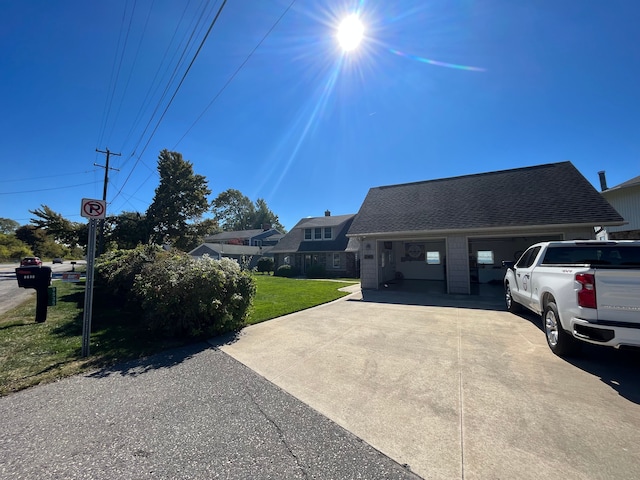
(320, 241)
(625, 198)
(458, 230)
(241, 253)
(259, 237)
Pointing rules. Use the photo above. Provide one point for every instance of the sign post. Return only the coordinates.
(93, 210)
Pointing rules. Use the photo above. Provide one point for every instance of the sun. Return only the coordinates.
(350, 33)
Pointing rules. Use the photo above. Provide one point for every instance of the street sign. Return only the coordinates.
(93, 209)
(71, 277)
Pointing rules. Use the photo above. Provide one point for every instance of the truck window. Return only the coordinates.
(593, 255)
(528, 258)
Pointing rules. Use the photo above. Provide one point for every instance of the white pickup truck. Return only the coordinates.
(586, 291)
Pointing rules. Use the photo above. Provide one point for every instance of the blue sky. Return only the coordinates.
(299, 122)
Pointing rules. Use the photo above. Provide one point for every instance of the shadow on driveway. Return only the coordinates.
(491, 301)
(618, 369)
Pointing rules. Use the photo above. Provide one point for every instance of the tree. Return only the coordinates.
(11, 248)
(180, 198)
(62, 230)
(8, 226)
(264, 216)
(41, 244)
(234, 211)
(127, 230)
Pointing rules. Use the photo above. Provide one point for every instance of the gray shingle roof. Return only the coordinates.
(226, 249)
(629, 183)
(552, 194)
(294, 240)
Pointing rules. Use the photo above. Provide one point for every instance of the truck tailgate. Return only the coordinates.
(618, 295)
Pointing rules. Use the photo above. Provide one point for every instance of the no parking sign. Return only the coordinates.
(93, 208)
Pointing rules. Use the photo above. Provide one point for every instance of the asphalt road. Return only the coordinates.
(191, 413)
(10, 294)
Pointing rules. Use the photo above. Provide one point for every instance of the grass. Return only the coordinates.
(33, 353)
(277, 296)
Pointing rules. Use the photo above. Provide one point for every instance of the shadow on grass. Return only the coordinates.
(15, 323)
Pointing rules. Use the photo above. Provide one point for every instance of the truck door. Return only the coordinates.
(521, 292)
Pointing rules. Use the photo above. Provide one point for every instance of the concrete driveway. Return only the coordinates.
(454, 387)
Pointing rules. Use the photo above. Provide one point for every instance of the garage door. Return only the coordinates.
(487, 253)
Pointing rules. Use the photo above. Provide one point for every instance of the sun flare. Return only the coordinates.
(350, 33)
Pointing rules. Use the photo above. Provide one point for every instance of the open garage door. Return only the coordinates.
(487, 253)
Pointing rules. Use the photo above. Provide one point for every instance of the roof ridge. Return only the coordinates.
(481, 174)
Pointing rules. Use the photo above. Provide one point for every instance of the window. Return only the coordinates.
(485, 257)
(527, 259)
(336, 260)
(307, 234)
(433, 258)
(287, 260)
(327, 233)
(318, 233)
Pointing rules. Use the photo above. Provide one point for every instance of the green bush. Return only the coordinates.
(116, 271)
(183, 296)
(316, 271)
(265, 264)
(286, 271)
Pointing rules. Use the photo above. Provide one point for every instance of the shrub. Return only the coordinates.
(116, 271)
(265, 264)
(286, 271)
(316, 271)
(183, 296)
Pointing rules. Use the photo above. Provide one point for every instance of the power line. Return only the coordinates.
(172, 77)
(47, 189)
(47, 176)
(233, 76)
(114, 78)
(144, 105)
(184, 76)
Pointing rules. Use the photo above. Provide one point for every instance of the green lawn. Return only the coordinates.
(31, 353)
(277, 296)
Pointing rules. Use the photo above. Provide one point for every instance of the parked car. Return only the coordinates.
(27, 261)
(57, 260)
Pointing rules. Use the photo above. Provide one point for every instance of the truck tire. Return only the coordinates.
(512, 305)
(560, 342)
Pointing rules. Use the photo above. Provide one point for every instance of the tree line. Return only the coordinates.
(176, 217)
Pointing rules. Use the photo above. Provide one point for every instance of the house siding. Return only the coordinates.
(627, 202)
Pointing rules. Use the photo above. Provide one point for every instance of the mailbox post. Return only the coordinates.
(38, 278)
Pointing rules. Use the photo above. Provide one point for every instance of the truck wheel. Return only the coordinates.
(512, 305)
(560, 342)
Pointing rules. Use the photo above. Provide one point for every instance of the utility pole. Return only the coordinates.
(104, 192)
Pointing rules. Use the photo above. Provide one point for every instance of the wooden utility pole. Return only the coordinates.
(104, 192)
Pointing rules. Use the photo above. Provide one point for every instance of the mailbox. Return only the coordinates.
(33, 277)
(40, 279)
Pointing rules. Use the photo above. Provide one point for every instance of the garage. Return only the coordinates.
(457, 231)
(487, 253)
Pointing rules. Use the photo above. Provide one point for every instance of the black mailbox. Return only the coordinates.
(33, 277)
(40, 279)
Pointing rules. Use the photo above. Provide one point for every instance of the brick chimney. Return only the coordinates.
(327, 213)
(266, 226)
(603, 181)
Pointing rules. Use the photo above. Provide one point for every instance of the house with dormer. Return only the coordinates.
(320, 241)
